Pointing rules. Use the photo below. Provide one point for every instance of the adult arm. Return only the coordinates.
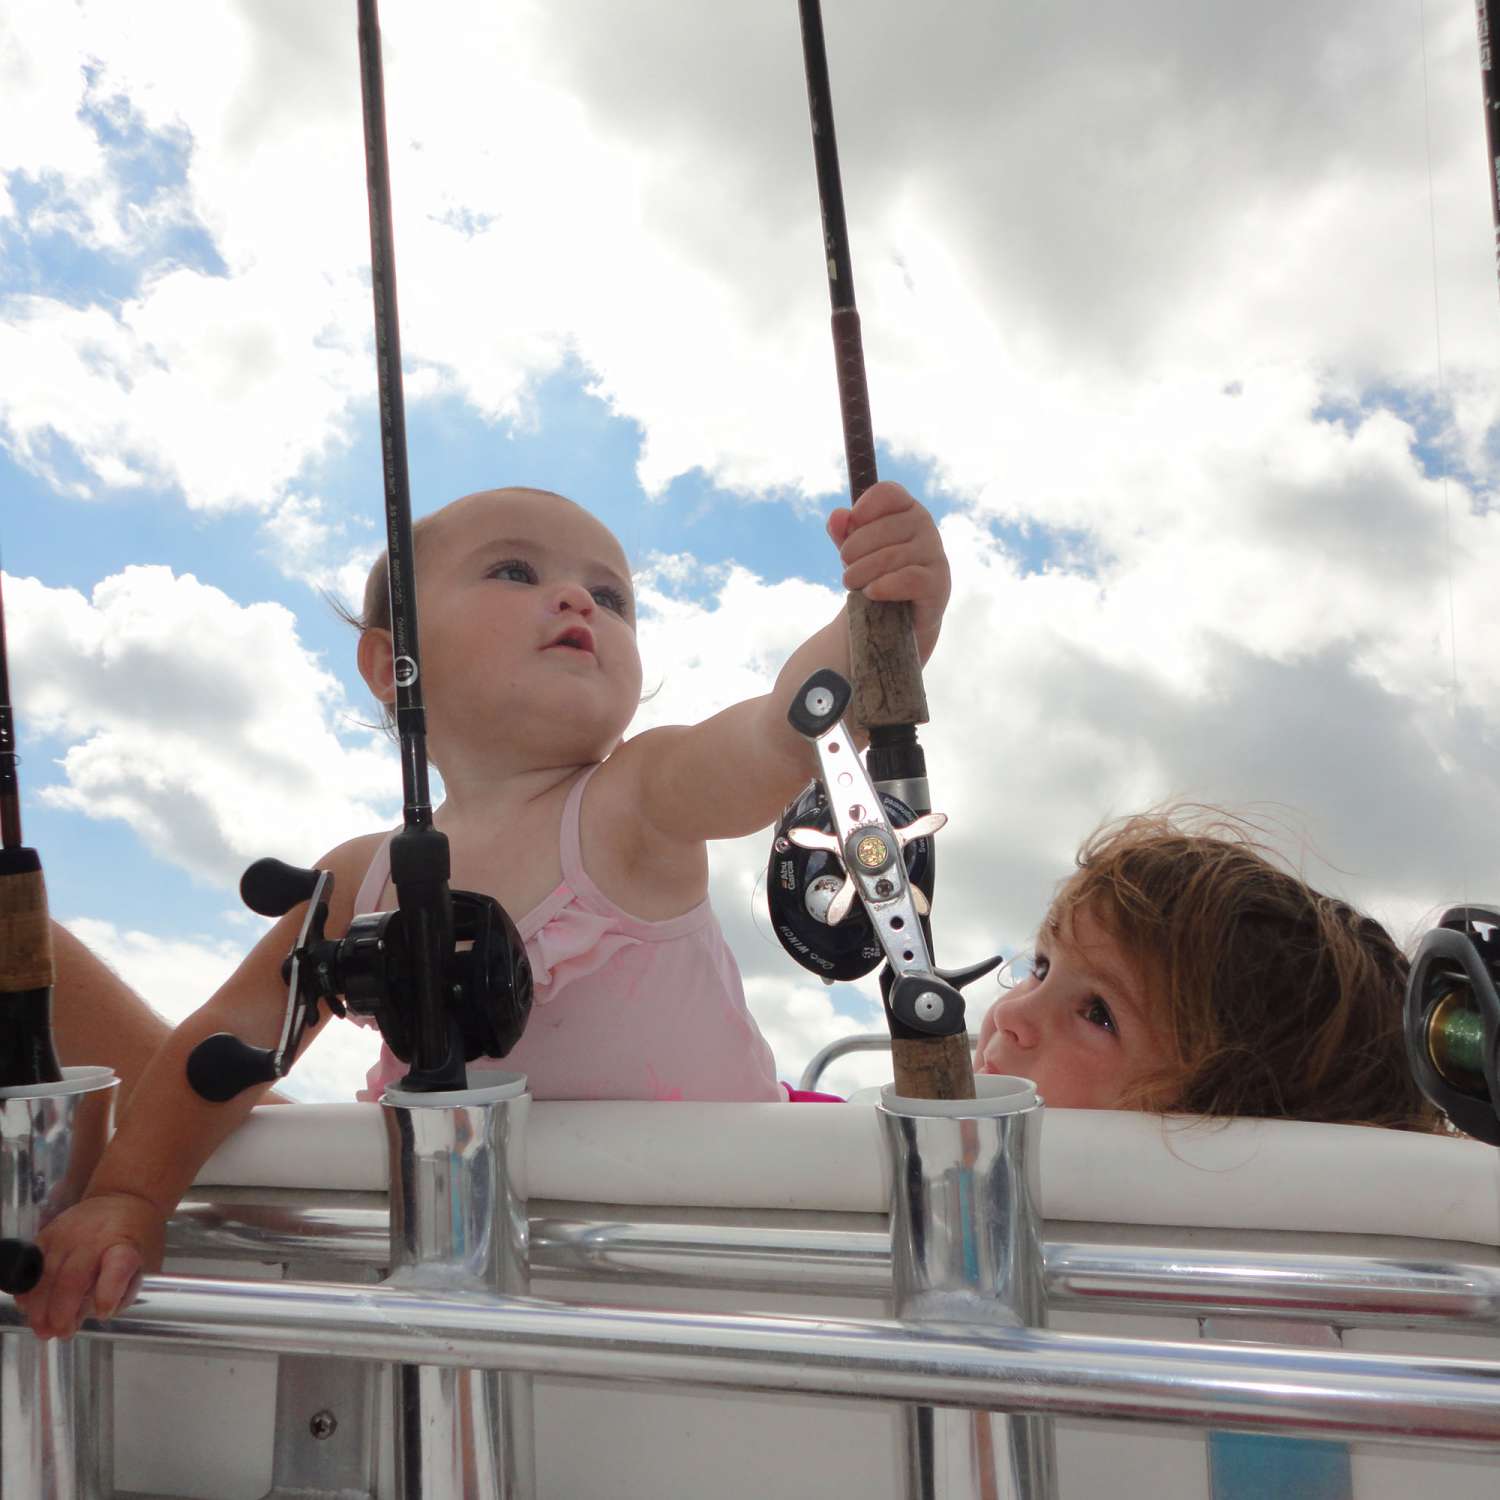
(97, 1018)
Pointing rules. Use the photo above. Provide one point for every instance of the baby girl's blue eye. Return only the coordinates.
(611, 599)
(513, 570)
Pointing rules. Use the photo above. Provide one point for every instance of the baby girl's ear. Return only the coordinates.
(376, 659)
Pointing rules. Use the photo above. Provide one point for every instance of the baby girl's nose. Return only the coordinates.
(573, 596)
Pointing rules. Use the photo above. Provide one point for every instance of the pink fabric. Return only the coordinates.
(622, 1008)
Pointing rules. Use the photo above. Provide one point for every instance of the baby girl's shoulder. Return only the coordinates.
(353, 856)
(347, 863)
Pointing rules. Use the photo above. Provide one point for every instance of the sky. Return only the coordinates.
(1182, 318)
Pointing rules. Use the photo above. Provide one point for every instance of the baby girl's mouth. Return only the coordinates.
(574, 638)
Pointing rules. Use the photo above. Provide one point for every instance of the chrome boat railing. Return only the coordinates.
(1377, 1398)
(344, 1231)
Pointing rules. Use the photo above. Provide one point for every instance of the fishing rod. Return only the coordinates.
(445, 976)
(1491, 118)
(27, 1056)
(842, 840)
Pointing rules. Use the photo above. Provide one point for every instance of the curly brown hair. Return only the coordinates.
(1278, 1001)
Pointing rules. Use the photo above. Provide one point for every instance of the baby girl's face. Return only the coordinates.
(1081, 1026)
(526, 598)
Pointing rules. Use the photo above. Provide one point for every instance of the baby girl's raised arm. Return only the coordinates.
(733, 773)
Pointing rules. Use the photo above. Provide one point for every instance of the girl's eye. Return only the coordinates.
(612, 599)
(1097, 1013)
(513, 570)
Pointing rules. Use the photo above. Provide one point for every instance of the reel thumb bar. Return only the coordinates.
(419, 853)
(885, 667)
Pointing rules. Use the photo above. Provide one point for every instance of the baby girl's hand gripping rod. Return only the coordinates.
(887, 671)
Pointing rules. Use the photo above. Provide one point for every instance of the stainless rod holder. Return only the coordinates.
(458, 1223)
(54, 1396)
(966, 1251)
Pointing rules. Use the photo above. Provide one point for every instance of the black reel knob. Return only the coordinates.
(221, 1066)
(20, 1266)
(1452, 1019)
(800, 884)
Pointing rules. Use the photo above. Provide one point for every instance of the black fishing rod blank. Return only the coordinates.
(886, 667)
(1491, 119)
(419, 853)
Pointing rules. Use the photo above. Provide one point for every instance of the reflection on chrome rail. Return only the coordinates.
(1243, 1387)
(1348, 1291)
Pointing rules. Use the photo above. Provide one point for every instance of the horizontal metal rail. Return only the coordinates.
(1344, 1290)
(1242, 1387)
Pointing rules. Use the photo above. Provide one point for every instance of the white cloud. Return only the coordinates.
(1053, 218)
(203, 724)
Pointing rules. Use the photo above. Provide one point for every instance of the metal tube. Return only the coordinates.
(1346, 1290)
(458, 1225)
(51, 1137)
(1251, 1388)
(966, 1252)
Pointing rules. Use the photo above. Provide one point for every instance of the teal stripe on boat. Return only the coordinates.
(1244, 1466)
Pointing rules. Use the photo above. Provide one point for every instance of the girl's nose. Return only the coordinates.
(573, 597)
(1020, 1018)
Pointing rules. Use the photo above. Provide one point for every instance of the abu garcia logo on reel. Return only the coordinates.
(802, 884)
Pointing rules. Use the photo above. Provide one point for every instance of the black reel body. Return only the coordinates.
(371, 970)
(801, 883)
(1452, 1019)
(488, 977)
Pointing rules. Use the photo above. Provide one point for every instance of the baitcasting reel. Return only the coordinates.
(487, 980)
(849, 885)
(804, 880)
(1453, 1019)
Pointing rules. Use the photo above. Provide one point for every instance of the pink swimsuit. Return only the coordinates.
(622, 1009)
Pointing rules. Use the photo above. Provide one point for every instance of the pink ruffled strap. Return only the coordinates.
(570, 943)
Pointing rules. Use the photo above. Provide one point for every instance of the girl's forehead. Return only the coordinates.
(522, 515)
